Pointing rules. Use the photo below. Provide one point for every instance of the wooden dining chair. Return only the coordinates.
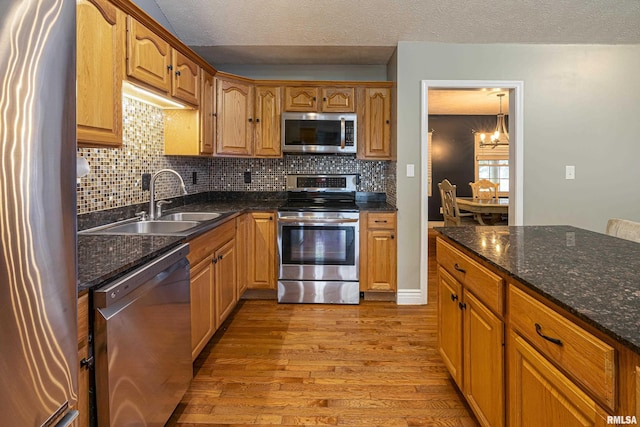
(450, 211)
(484, 189)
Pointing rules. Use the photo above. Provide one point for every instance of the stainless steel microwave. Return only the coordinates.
(320, 133)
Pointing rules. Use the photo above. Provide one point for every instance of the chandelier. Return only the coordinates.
(501, 135)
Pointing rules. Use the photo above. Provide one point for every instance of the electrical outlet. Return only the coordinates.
(570, 172)
(247, 177)
(194, 177)
(146, 181)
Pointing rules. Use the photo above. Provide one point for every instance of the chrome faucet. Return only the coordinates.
(152, 190)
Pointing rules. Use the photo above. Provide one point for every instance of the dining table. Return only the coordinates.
(495, 207)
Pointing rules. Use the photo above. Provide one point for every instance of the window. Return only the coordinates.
(492, 163)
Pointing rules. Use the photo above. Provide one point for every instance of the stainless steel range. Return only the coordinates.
(318, 240)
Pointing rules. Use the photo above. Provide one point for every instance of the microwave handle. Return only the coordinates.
(342, 133)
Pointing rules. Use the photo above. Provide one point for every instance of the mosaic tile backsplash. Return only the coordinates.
(115, 179)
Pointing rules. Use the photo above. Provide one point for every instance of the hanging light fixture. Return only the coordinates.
(501, 134)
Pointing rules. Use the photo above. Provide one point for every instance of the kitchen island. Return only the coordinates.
(546, 314)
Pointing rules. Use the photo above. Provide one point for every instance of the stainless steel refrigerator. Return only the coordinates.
(38, 314)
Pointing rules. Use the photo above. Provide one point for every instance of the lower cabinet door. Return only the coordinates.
(450, 324)
(540, 395)
(225, 280)
(203, 318)
(484, 362)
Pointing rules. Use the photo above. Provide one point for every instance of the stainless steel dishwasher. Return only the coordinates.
(142, 347)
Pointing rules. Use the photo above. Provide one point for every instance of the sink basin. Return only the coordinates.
(147, 227)
(190, 216)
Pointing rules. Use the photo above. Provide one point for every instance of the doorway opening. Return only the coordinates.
(514, 91)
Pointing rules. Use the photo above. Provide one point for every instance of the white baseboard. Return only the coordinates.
(411, 297)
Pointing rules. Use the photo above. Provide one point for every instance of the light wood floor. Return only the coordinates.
(374, 364)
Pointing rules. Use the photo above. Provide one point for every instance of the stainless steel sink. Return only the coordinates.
(190, 216)
(146, 227)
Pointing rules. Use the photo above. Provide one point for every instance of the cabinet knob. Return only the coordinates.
(250, 119)
(324, 99)
(270, 218)
(214, 114)
(393, 236)
(169, 67)
(387, 122)
(215, 260)
(257, 120)
(454, 297)
(178, 73)
(314, 98)
(462, 305)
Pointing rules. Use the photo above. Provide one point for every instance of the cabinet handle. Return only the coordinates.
(462, 305)
(169, 67)
(214, 114)
(454, 297)
(219, 256)
(324, 99)
(250, 120)
(270, 218)
(553, 340)
(257, 120)
(393, 236)
(387, 121)
(178, 73)
(87, 363)
(215, 260)
(460, 269)
(381, 220)
(314, 98)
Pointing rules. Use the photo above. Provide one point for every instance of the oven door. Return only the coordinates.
(318, 246)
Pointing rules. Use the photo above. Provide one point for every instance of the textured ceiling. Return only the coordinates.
(366, 31)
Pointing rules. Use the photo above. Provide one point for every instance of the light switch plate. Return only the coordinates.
(570, 172)
(411, 170)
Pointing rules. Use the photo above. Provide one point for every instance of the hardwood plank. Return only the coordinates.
(374, 364)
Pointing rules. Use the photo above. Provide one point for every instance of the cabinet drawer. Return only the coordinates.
(585, 358)
(205, 244)
(386, 220)
(485, 285)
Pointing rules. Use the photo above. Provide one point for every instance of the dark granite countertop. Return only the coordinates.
(104, 257)
(592, 275)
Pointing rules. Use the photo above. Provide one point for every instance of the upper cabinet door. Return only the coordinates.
(207, 119)
(186, 79)
(100, 55)
(377, 124)
(234, 122)
(301, 99)
(267, 141)
(148, 57)
(339, 100)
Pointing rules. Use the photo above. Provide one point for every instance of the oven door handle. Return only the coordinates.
(290, 219)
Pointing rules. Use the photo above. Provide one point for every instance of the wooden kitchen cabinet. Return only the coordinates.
(319, 99)
(224, 260)
(378, 252)
(234, 118)
(83, 355)
(207, 117)
(213, 282)
(374, 124)
(203, 312)
(148, 57)
(241, 249)
(100, 61)
(450, 324)
(185, 76)
(266, 135)
(540, 394)
(261, 250)
(301, 99)
(472, 341)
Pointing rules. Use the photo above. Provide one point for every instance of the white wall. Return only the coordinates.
(581, 107)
